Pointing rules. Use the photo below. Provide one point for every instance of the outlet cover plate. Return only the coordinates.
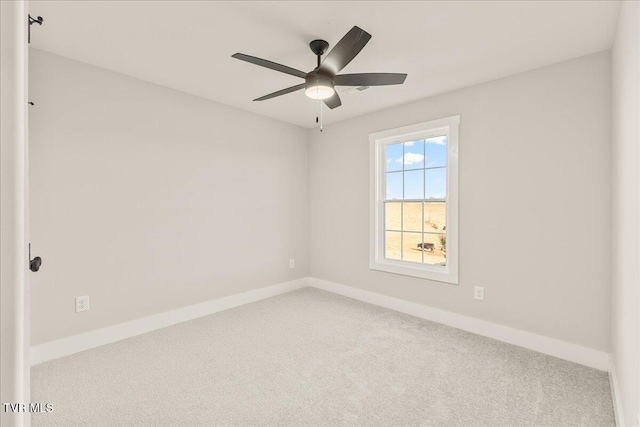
(478, 293)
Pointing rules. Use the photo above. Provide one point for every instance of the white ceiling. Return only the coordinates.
(442, 46)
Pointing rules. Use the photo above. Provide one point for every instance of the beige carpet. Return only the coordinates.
(312, 358)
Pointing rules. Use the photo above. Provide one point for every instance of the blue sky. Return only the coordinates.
(429, 153)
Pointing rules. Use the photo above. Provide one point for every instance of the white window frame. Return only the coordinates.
(378, 141)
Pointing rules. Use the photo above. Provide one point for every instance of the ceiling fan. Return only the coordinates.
(320, 82)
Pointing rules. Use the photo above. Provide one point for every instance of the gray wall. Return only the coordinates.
(147, 199)
(535, 181)
(625, 292)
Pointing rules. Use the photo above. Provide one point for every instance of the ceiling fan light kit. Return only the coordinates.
(318, 86)
(321, 81)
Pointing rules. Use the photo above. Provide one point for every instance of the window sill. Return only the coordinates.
(433, 273)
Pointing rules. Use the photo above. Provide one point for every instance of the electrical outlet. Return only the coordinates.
(82, 303)
(478, 293)
(292, 263)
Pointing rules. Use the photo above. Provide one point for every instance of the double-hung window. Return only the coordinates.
(414, 200)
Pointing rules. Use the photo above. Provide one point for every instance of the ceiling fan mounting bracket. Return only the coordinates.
(319, 47)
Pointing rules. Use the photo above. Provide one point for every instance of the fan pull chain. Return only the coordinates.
(319, 116)
(320, 107)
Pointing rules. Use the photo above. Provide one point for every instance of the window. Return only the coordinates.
(414, 200)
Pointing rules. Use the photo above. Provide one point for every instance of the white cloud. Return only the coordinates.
(410, 158)
(409, 143)
(440, 140)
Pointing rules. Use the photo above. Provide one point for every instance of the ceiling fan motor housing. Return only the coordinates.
(315, 78)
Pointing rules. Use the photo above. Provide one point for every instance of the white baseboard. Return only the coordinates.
(615, 395)
(551, 346)
(583, 355)
(74, 344)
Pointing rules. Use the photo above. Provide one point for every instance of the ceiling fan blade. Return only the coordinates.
(346, 49)
(369, 79)
(333, 102)
(269, 64)
(281, 92)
